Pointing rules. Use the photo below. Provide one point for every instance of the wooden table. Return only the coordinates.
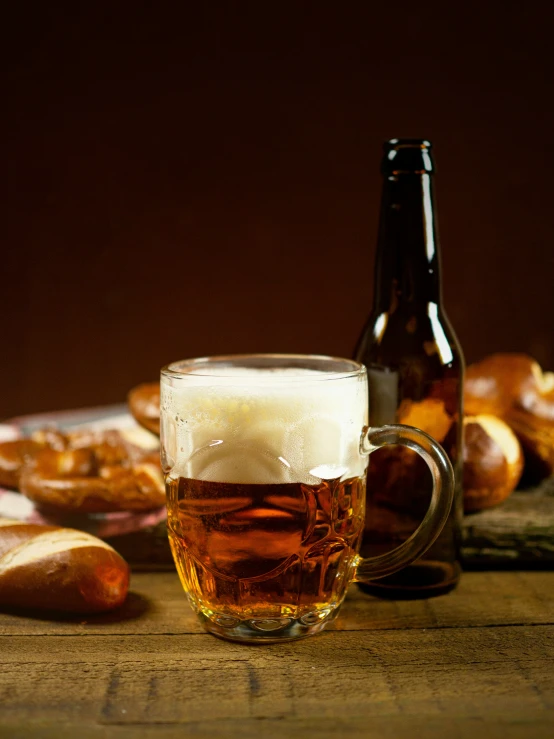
(476, 663)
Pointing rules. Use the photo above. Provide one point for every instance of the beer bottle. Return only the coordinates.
(415, 370)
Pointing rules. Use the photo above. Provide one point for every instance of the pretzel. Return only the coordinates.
(13, 455)
(83, 472)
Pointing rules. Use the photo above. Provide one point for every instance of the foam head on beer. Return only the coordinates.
(247, 425)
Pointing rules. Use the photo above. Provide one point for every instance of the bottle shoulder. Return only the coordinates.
(410, 334)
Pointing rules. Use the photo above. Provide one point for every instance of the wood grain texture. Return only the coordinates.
(517, 533)
(478, 662)
(376, 727)
(156, 605)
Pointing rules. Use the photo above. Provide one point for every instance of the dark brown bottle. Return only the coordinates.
(415, 369)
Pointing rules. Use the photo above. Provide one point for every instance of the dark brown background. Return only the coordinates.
(206, 181)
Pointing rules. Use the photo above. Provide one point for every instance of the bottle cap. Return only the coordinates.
(407, 156)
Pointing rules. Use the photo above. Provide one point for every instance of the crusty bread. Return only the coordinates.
(52, 568)
(514, 388)
(493, 462)
(144, 404)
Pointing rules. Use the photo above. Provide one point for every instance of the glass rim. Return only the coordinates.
(180, 369)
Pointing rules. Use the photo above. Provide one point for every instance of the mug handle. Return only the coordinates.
(439, 507)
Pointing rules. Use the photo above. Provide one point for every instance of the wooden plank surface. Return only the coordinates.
(518, 533)
(476, 663)
(157, 605)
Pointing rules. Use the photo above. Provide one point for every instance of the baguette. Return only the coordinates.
(59, 569)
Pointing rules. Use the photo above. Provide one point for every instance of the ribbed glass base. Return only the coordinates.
(267, 630)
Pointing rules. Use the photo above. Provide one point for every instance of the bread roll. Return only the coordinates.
(514, 388)
(144, 404)
(52, 568)
(493, 462)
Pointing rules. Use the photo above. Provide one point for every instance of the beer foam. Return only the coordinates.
(263, 426)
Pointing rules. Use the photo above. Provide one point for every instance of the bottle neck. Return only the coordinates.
(407, 269)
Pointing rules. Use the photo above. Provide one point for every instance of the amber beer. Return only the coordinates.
(265, 490)
(280, 550)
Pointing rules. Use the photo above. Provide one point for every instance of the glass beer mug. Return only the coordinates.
(265, 460)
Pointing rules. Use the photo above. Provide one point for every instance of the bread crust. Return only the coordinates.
(514, 388)
(492, 463)
(53, 568)
(83, 472)
(144, 404)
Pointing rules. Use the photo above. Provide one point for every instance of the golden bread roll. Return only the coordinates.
(492, 463)
(52, 568)
(514, 388)
(144, 404)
